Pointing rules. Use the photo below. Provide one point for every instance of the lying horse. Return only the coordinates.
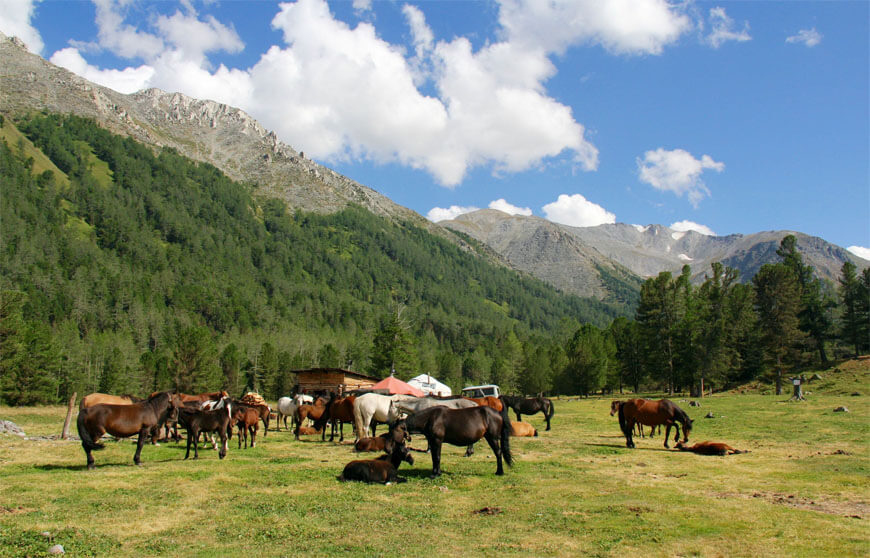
(653, 413)
(463, 427)
(710, 448)
(523, 429)
(530, 406)
(198, 421)
(384, 442)
(384, 469)
(123, 421)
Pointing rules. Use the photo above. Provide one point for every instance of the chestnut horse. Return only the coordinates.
(614, 408)
(122, 421)
(338, 411)
(462, 427)
(488, 401)
(653, 413)
(247, 418)
(311, 412)
(98, 398)
(710, 448)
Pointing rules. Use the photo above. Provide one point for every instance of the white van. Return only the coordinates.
(480, 391)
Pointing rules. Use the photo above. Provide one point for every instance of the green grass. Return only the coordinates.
(575, 490)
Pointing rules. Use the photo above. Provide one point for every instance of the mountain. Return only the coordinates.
(579, 259)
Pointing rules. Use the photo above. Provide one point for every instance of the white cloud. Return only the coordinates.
(677, 171)
(437, 214)
(128, 80)
(724, 29)
(809, 37)
(577, 211)
(195, 37)
(683, 226)
(620, 26)
(502, 205)
(15, 22)
(860, 251)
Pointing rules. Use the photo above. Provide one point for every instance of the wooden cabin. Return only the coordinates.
(336, 380)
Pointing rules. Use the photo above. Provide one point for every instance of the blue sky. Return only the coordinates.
(723, 117)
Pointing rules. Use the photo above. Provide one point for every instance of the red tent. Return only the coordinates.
(395, 385)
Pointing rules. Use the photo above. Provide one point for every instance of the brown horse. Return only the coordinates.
(98, 398)
(614, 408)
(653, 413)
(303, 412)
(488, 401)
(247, 419)
(710, 448)
(338, 411)
(123, 421)
(203, 397)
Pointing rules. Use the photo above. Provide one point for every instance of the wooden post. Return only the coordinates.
(798, 389)
(69, 410)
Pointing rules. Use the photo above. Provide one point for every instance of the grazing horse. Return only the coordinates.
(652, 413)
(122, 421)
(463, 427)
(530, 406)
(375, 407)
(338, 411)
(710, 448)
(204, 421)
(98, 398)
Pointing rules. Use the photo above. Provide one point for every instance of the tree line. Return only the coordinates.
(128, 269)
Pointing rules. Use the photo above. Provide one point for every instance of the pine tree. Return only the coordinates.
(854, 321)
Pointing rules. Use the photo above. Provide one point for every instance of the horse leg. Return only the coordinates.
(496, 449)
(254, 435)
(435, 450)
(189, 440)
(470, 451)
(547, 416)
(677, 435)
(629, 431)
(668, 433)
(195, 442)
(143, 433)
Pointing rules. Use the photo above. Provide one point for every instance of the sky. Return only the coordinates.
(719, 117)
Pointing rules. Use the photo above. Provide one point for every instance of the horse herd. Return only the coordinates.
(457, 421)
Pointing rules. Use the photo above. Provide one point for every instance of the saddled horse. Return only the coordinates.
(123, 421)
(98, 398)
(338, 411)
(530, 406)
(463, 427)
(653, 413)
(373, 408)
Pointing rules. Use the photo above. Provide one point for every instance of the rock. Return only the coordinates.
(841, 409)
(56, 549)
(709, 414)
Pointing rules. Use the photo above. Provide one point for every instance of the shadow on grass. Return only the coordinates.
(622, 446)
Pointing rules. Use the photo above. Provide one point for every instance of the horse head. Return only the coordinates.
(614, 407)
(687, 427)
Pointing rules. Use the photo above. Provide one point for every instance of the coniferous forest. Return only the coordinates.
(129, 270)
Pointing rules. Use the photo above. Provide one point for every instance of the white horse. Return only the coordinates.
(287, 407)
(412, 406)
(375, 406)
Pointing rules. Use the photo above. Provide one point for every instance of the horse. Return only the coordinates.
(310, 412)
(653, 413)
(530, 406)
(205, 421)
(710, 448)
(337, 411)
(488, 401)
(98, 398)
(384, 469)
(247, 419)
(203, 397)
(287, 407)
(377, 407)
(523, 429)
(412, 406)
(463, 427)
(122, 421)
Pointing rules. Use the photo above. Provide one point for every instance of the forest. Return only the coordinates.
(129, 270)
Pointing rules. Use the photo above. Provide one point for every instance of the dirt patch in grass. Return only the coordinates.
(857, 510)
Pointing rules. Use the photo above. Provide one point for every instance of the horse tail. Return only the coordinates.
(506, 436)
(551, 409)
(87, 439)
(358, 421)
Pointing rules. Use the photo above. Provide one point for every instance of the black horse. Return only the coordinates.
(529, 406)
(463, 427)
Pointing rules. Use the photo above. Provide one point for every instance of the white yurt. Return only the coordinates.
(430, 386)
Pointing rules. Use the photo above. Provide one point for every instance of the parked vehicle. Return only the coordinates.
(480, 391)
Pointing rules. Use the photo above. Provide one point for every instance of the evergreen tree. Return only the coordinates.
(658, 316)
(28, 359)
(854, 321)
(777, 300)
(591, 357)
(629, 353)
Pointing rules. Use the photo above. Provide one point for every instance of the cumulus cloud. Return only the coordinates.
(502, 205)
(577, 211)
(447, 214)
(677, 171)
(860, 251)
(15, 22)
(724, 29)
(341, 92)
(808, 37)
(683, 226)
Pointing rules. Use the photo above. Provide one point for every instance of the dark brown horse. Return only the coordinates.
(123, 421)
(530, 406)
(463, 427)
(338, 411)
(198, 421)
(710, 448)
(653, 413)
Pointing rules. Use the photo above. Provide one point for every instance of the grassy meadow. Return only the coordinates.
(576, 490)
